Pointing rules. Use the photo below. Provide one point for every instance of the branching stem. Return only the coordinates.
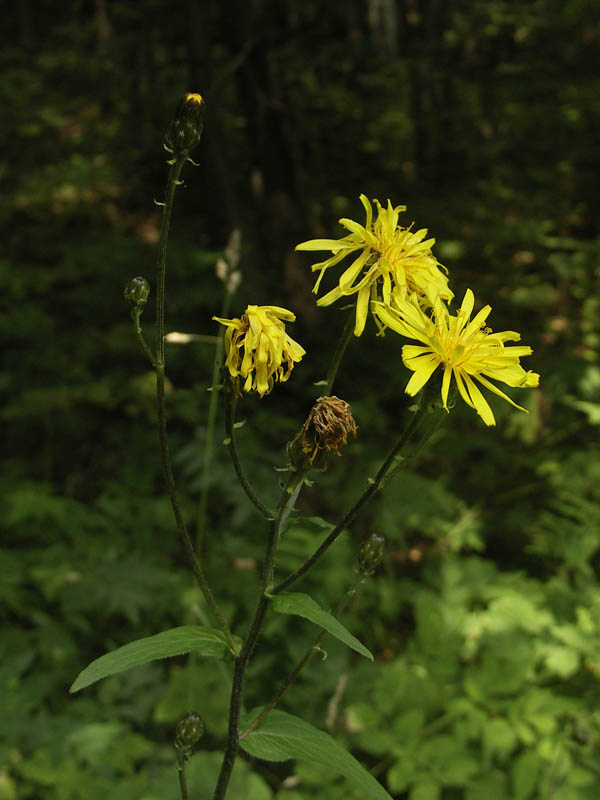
(302, 663)
(374, 486)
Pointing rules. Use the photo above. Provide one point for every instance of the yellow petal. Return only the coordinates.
(466, 307)
(347, 277)
(446, 385)
(425, 369)
(325, 244)
(479, 402)
(280, 313)
(368, 208)
(489, 385)
(330, 297)
(477, 321)
(362, 308)
(461, 389)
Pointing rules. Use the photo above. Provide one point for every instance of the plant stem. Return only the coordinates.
(230, 406)
(339, 352)
(211, 420)
(436, 420)
(284, 509)
(302, 663)
(181, 773)
(136, 313)
(172, 184)
(374, 486)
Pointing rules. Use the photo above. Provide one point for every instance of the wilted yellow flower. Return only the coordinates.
(462, 346)
(258, 349)
(392, 262)
(327, 427)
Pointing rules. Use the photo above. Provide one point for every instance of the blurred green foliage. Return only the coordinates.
(483, 117)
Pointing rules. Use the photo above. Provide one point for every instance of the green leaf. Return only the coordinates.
(426, 790)
(563, 661)
(174, 642)
(281, 736)
(304, 606)
(525, 770)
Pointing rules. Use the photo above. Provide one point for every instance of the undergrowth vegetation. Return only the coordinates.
(484, 616)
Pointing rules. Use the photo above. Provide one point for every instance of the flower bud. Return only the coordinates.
(371, 553)
(327, 427)
(137, 291)
(188, 732)
(185, 130)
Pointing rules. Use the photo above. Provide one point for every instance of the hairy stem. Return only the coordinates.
(161, 269)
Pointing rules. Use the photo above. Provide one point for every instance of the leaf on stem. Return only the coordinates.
(282, 736)
(304, 606)
(174, 642)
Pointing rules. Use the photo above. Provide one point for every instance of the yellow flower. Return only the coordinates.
(258, 349)
(392, 262)
(462, 346)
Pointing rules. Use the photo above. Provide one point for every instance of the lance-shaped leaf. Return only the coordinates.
(281, 736)
(174, 642)
(304, 606)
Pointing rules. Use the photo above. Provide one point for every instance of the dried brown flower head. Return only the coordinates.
(327, 427)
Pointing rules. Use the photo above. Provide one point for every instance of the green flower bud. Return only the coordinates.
(188, 733)
(371, 553)
(137, 291)
(185, 130)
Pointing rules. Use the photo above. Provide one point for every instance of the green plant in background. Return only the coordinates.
(397, 278)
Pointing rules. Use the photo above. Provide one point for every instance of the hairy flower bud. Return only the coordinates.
(185, 130)
(327, 427)
(136, 291)
(188, 733)
(371, 553)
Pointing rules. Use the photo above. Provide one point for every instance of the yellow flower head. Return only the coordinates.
(258, 349)
(392, 262)
(462, 346)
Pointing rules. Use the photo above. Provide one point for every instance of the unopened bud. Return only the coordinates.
(188, 733)
(371, 553)
(185, 130)
(136, 291)
(327, 427)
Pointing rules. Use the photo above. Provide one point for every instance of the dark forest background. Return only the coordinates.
(484, 119)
